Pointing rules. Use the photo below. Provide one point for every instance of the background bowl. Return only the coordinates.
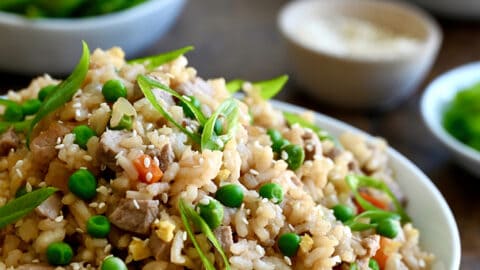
(53, 45)
(356, 82)
(427, 207)
(434, 101)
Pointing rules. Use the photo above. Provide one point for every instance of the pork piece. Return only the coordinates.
(110, 147)
(160, 249)
(224, 236)
(165, 156)
(58, 174)
(50, 207)
(8, 140)
(43, 146)
(135, 215)
(35, 267)
(313, 146)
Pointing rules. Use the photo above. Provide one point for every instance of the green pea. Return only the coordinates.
(126, 122)
(113, 90)
(45, 91)
(59, 253)
(230, 195)
(388, 228)
(288, 243)
(295, 154)
(274, 134)
(83, 184)
(31, 106)
(272, 191)
(186, 110)
(212, 213)
(343, 212)
(13, 113)
(83, 133)
(277, 140)
(373, 264)
(98, 226)
(113, 263)
(218, 127)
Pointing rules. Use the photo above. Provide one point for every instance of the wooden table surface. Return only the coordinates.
(239, 38)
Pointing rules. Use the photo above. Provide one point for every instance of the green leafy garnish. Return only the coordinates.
(146, 85)
(152, 62)
(21, 206)
(64, 91)
(268, 88)
(210, 139)
(357, 181)
(189, 216)
(293, 118)
(374, 216)
(186, 100)
(21, 126)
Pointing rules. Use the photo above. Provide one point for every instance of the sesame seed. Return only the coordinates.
(87, 158)
(290, 226)
(164, 197)
(59, 219)
(119, 154)
(77, 105)
(101, 205)
(156, 161)
(28, 187)
(149, 126)
(19, 173)
(244, 220)
(284, 155)
(59, 140)
(134, 133)
(135, 203)
(309, 147)
(184, 236)
(151, 146)
(93, 205)
(79, 230)
(146, 162)
(35, 261)
(60, 146)
(107, 248)
(254, 172)
(83, 168)
(149, 176)
(287, 260)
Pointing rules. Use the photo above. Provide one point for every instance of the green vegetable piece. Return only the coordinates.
(357, 181)
(98, 226)
(83, 184)
(230, 195)
(13, 4)
(188, 215)
(152, 62)
(353, 266)
(358, 226)
(45, 91)
(218, 127)
(186, 108)
(31, 106)
(278, 142)
(288, 243)
(343, 212)
(64, 91)
(59, 253)
(270, 88)
(21, 191)
(113, 263)
(13, 113)
(388, 228)
(21, 126)
(146, 85)
(295, 155)
(293, 118)
(271, 191)
(229, 111)
(376, 215)
(113, 90)
(373, 264)
(212, 213)
(234, 85)
(126, 122)
(21, 206)
(83, 133)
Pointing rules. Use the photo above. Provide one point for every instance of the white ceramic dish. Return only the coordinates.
(353, 82)
(52, 45)
(426, 205)
(465, 9)
(434, 101)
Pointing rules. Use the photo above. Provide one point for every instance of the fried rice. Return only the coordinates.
(147, 231)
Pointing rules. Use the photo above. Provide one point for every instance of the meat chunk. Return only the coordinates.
(43, 146)
(58, 174)
(160, 249)
(313, 146)
(224, 236)
(110, 147)
(50, 207)
(135, 215)
(8, 140)
(165, 156)
(371, 244)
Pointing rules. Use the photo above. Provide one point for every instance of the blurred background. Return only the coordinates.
(241, 39)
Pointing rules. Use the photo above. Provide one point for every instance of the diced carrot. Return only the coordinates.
(378, 203)
(148, 170)
(382, 253)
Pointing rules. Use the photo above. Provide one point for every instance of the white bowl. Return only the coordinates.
(351, 81)
(426, 205)
(53, 45)
(465, 9)
(434, 101)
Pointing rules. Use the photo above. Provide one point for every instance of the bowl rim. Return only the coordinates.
(431, 99)
(400, 159)
(113, 18)
(432, 41)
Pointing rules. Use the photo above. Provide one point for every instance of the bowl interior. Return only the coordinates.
(426, 205)
(436, 98)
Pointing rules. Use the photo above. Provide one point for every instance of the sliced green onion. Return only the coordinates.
(151, 62)
(293, 118)
(234, 85)
(229, 111)
(267, 88)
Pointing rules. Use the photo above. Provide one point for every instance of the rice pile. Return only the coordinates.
(248, 234)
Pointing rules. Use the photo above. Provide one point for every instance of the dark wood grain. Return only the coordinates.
(239, 38)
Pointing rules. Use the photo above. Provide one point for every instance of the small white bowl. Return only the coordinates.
(53, 45)
(436, 97)
(360, 82)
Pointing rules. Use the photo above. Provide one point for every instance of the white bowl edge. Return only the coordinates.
(420, 191)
